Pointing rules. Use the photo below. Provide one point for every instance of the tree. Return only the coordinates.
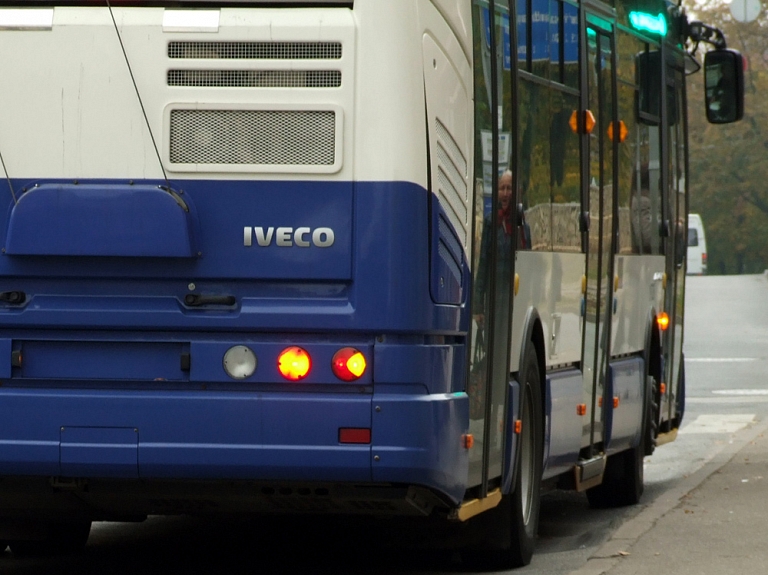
(729, 163)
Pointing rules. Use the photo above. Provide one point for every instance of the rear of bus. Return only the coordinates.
(697, 246)
(225, 284)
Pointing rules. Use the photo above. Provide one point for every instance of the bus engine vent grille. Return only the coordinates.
(253, 137)
(451, 181)
(255, 78)
(255, 50)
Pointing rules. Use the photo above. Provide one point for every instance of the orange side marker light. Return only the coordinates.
(622, 131)
(294, 363)
(663, 320)
(663, 388)
(589, 122)
(518, 427)
(581, 409)
(467, 441)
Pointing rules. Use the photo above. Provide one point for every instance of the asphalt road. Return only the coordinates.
(726, 346)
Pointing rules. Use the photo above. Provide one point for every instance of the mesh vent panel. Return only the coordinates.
(253, 137)
(256, 50)
(255, 78)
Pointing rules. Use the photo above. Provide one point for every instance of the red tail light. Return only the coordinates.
(704, 259)
(348, 364)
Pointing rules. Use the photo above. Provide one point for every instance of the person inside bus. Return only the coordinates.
(505, 227)
(640, 211)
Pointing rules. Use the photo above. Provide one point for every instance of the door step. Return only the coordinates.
(589, 472)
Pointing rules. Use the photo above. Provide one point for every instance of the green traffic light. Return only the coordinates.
(648, 22)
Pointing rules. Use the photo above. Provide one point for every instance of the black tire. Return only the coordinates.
(623, 481)
(512, 526)
(61, 538)
(680, 395)
(652, 422)
(526, 491)
(653, 416)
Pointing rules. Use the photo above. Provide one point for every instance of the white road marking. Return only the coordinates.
(739, 399)
(740, 391)
(721, 359)
(719, 423)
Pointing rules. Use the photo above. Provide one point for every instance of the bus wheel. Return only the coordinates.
(623, 480)
(61, 538)
(653, 416)
(525, 494)
(680, 395)
(508, 532)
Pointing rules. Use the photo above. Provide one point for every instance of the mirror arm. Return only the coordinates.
(700, 32)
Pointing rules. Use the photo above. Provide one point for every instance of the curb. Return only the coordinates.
(610, 553)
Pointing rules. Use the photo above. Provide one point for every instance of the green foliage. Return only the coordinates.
(729, 163)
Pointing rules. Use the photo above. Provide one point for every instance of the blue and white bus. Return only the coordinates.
(404, 257)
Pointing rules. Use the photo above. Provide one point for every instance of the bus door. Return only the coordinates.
(493, 256)
(678, 235)
(599, 95)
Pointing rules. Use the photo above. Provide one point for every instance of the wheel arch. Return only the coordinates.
(652, 356)
(652, 349)
(533, 334)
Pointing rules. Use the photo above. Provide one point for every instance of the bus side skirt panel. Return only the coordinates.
(627, 418)
(563, 425)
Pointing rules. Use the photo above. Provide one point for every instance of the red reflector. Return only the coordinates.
(354, 435)
(348, 364)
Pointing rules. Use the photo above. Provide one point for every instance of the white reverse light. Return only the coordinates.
(239, 362)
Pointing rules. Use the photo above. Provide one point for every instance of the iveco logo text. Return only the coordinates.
(289, 237)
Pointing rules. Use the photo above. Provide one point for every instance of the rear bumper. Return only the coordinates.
(250, 436)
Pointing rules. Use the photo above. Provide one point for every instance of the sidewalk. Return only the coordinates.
(713, 522)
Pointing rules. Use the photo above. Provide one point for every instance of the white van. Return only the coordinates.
(697, 246)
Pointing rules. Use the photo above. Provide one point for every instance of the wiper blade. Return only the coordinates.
(8, 179)
(138, 94)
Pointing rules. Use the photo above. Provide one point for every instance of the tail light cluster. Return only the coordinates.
(295, 363)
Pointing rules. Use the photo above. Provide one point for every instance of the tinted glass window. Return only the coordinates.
(693, 237)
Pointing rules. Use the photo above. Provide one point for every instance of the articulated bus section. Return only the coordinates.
(362, 257)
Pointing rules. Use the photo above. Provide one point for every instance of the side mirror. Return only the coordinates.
(724, 86)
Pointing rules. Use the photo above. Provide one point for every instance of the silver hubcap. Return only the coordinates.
(527, 465)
